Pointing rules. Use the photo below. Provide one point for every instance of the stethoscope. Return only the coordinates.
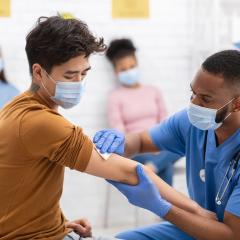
(230, 170)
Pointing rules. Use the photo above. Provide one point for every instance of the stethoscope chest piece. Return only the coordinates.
(218, 202)
(202, 175)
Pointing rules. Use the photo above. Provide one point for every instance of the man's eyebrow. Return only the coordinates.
(201, 94)
(75, 72)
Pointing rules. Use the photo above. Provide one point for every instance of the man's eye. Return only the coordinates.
(206, 100)
(69, 78)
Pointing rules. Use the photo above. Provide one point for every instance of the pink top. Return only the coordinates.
(135, 109)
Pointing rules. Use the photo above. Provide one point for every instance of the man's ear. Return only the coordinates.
(236, 105)
(37, 72)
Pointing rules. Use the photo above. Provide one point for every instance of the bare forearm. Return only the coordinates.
(139, 143)
(173, 196)
(199, 227)
(132, 145)
(115, 168)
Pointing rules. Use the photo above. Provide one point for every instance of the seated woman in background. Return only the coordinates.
(7, 90)
(133, 107)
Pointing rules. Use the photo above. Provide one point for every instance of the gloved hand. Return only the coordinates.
(144, 195)
(109, 141)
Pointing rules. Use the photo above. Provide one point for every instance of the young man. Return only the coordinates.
(208, 134)
(37, 143)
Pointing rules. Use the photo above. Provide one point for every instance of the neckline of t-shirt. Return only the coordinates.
(37, 98)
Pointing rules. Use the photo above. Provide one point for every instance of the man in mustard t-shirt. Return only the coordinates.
(37, 143)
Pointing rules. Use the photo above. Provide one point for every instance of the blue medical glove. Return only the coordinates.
(110, 141)
(144, 195)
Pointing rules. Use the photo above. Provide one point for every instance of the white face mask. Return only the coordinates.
(204, 118)
(67, 94)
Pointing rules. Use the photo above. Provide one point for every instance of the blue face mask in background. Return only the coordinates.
(129, 77)
(67, 94)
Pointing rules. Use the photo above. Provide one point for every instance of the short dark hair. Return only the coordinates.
(54, 40)
(120, 48)
(225, 64)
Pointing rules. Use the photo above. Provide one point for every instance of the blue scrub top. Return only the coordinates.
(178, 135)
(7, 93)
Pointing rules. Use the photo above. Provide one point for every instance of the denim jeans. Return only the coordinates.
(163, 162)
(74, 236)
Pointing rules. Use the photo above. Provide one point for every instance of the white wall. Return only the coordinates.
(164, 42)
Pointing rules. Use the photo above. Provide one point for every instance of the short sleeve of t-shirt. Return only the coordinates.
(234, 201)
(46, 134)
(171, 134)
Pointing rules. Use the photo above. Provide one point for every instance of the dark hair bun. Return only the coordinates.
(119, 48)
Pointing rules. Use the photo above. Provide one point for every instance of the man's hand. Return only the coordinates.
(110, 141)
(81, 226)
(145, 194)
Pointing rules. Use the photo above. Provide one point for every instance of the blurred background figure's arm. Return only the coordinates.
(162, 110)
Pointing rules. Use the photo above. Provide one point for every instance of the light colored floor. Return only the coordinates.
(86, 196)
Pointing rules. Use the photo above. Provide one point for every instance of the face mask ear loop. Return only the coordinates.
(223, 107)
(45, 86)
(226, 104)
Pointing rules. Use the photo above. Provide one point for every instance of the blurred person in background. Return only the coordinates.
(133, 106)
(7, 90)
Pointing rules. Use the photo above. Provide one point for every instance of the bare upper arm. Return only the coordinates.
(233, 222)
(139, 143)
(115, 168)
(147, 144)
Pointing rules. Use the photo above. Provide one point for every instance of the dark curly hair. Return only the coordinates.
(225, 64)
(55, 40)
(120, 48)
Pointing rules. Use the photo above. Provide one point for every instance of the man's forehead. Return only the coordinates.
(207, 82)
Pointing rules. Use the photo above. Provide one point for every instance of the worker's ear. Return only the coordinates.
(236, 105)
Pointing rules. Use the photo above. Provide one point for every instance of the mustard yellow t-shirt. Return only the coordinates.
(36, 144)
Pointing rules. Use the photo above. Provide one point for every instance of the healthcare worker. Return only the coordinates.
(130, 112)
(207, 133)
(7, 90)
(37, 143)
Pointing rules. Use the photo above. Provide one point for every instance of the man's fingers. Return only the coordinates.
(143, 178)
(108, 142)
(116, 143)
(102, 140)
(85, 223)
(97, 136)
(120, 186)
(78, 228)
